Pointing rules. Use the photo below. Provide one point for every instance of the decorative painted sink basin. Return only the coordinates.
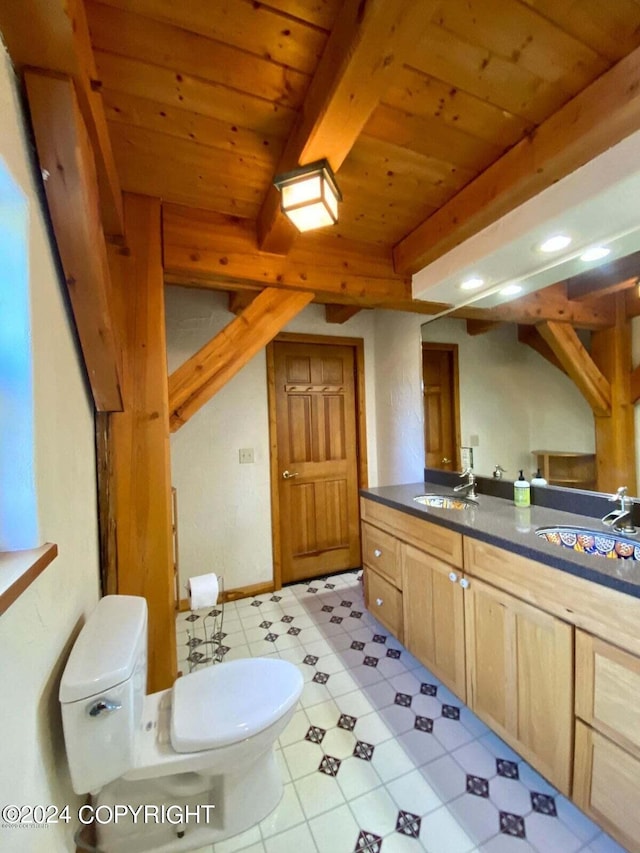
(446, 501)
(597, 542)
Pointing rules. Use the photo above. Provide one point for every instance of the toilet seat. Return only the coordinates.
(229, 702)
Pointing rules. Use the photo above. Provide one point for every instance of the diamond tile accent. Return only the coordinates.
(276, 598)
(327, 608)
(321, 677)
(215, 612)
(221, 651)
(294, 631)
(357, 645)
(271, 638)
(219, 637)
(508, 769)
(368, 842)
(310, 660)
(329, 586)
(287, 619)
(194, 641)
(357, 614)
(256, 603)
(429, 689)
(379, 638)
(315, 734)
(369, 661)
(451, 712)
(543, 804)
(192, 618)
(265, 624)
(393, 653)
(336, 620)
(423, 724)
(512, 824)
(408, 824)
(346, 603)
(403, 699)
(329, 765)
(477, 786)
(195, 657)
(312, 589)
(363, 750)
(347, 722)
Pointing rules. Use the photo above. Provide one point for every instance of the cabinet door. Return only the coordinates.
(434, 616)
(520, 677)
(606, 785)
(380, 552)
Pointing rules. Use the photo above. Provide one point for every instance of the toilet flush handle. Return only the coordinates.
(103, 706)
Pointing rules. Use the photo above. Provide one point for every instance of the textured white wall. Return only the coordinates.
(224, 508)
(38, 629)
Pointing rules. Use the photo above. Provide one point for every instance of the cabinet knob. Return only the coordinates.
(453, 577)
(379, 602)
(464, 583)
(377, 553)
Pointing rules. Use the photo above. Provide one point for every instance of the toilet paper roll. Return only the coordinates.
(203, 591)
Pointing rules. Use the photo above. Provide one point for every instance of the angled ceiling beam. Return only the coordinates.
(611, 277)
(219, 250)
(551, 303)
(64, 151)
(340, 313)
(204, 374)
(53, 35)
(240, 299)
(479, 327)
(571, 137)
(578, 364)
(368, 39)
(530, 336)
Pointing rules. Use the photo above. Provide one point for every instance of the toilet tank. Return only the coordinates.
(102, 692)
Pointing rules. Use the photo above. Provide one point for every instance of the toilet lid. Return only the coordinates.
(228, 702)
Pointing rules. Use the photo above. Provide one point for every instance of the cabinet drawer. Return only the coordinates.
(380, 552)
(430, 537)
(606, 784)
(608, 690)
(384, 602)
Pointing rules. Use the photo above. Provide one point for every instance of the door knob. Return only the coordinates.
(287, 475)
(453, 577)
(377, 553)
(445, 460)
(464, 583)
(379, 602)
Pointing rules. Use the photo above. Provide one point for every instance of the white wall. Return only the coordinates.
(224, 508)
(37, 630)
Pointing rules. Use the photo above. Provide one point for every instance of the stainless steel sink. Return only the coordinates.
(612, 546)
(446, 501)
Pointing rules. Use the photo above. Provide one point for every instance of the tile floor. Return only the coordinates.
(380, 756)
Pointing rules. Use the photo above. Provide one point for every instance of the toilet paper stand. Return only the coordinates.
(205, 634)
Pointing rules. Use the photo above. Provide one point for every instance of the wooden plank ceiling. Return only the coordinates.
(201, 97)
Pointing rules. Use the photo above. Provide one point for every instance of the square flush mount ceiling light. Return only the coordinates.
(309, 196)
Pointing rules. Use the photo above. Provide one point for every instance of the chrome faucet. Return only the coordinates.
(470, 486)
(620, 519)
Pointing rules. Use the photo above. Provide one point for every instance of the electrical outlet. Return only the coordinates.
(466, 457)
(245, 455)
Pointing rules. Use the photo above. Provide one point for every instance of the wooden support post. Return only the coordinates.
(139, 436)
(204, 374)
(615, 433)
(241, 299)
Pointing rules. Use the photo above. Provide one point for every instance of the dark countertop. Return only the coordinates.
(499, 522)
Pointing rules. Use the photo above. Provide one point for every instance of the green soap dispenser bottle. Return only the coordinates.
(521, 491)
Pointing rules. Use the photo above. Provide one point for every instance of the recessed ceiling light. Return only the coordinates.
(472, 283)
(595, 253)
(555, 243)
(511, 290)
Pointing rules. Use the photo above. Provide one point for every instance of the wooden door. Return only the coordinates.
(520, 677)
(441, 421)
(434, 616)
(316, 458)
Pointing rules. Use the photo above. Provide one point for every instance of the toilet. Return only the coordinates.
(207, 741)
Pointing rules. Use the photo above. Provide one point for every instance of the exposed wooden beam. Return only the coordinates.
(567, 140)
(204, 374)
(615, 432)
(479, 327)
(368, 39)
(579, 365)
(551, 303)
(606, 279)
(530, 336)
(220, 250)
(340, 313)
(65, 153)
(240, 299)
(53, 35)
(139, 437)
